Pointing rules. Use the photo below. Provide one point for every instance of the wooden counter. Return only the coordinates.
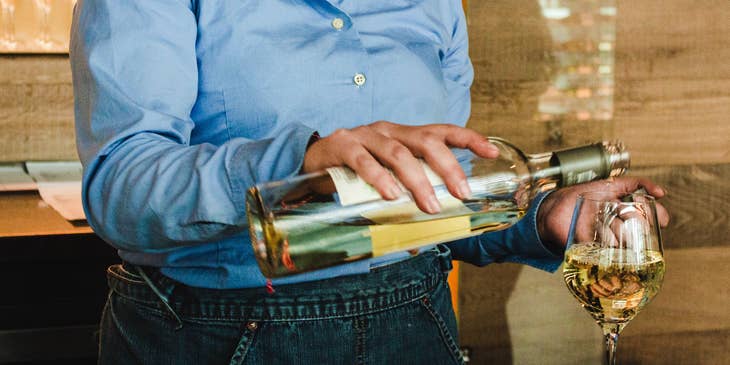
(24, 214)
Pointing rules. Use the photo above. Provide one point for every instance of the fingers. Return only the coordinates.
(662, 215)
(606, 286)
(372, 172)
(471, 140)
(628, 185)
(558, 207)
(406, 167)
(599, 290)
(370, 154)
(419, 139)
(433, 143)
(373, 149)
(357, 152)
(344, 148)
(616, 287)
(444, 164)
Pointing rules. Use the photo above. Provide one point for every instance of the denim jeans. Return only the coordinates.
(397, 314)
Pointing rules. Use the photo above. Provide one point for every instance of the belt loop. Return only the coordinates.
(444, 256)
(159, 294)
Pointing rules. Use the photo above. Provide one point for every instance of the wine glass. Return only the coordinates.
(614, 261)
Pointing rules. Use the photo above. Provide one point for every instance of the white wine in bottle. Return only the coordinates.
(332, 217)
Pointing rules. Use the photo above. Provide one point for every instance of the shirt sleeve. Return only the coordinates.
(145, 187)
(457, 69)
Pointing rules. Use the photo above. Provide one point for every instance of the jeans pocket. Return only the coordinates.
(445, 330)
(130, 286)
(119, 272)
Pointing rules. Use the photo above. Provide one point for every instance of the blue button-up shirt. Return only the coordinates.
(181, 105)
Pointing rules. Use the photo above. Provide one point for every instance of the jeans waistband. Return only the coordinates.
(384, 287)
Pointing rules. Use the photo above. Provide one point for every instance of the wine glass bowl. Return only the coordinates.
(614, 262)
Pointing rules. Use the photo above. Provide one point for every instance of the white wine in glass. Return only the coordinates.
(614, 262)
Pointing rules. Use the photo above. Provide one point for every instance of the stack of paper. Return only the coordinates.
(14, 178)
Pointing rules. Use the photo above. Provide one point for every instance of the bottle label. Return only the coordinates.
(579, 177)
(582, 164)
(352, 189)
(388, 238)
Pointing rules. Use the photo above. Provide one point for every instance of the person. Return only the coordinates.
(182, 105)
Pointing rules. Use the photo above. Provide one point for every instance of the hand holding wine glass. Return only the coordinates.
(614, 261)
(557, 208)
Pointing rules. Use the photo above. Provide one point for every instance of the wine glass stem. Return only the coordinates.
(611, 343)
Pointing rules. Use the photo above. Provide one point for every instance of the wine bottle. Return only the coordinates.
(331, 217)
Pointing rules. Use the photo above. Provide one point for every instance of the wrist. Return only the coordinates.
(314, 138)
(305, 163)
(543, 224)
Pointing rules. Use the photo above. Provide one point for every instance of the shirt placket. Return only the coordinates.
(355, 74)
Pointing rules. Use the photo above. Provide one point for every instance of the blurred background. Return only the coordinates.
(549, 74)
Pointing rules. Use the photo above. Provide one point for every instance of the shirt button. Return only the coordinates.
(359, 79)
(338, 23)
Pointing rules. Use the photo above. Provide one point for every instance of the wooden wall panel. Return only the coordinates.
(698, 199)
(672, 108)
(673, 81)
(510, 47)
(672, 94)
(36, 109)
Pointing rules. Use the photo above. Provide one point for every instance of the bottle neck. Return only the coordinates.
(577, 165)
(545, 175)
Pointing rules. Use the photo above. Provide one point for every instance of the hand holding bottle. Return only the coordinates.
(298, 224)
(553, 218)
(372, 149)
